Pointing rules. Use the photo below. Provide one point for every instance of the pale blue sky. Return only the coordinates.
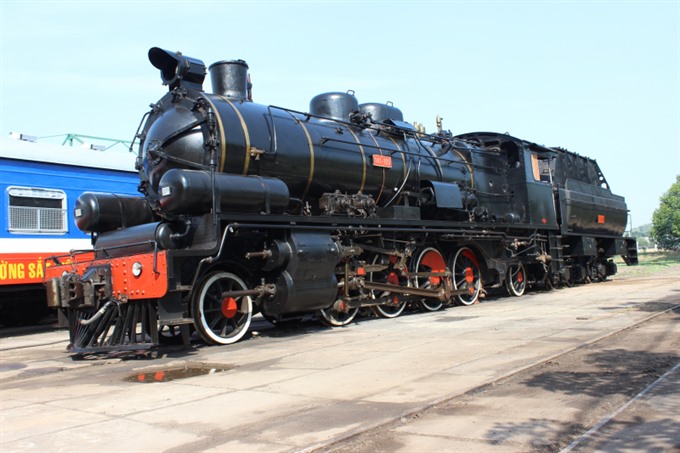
(601, 78)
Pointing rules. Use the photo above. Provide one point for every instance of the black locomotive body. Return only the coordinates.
(253, 208)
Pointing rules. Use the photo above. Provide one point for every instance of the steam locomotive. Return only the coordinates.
(251, 208)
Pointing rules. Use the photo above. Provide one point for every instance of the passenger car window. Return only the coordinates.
(34, 210)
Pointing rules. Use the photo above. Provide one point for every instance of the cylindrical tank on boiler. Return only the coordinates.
(98, 212)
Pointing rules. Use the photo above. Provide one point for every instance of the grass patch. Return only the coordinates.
(650, 264)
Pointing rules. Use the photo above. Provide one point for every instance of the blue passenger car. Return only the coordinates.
(39, 185)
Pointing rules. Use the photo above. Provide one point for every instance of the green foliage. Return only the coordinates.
(666, 219)
(651, 264)
(643, 242)
(642, 231)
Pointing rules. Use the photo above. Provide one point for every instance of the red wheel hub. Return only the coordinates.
(229, 307)
(435, 261)
(469, 275)
(393, 279)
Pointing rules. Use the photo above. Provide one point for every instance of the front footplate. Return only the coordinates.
(111, 304)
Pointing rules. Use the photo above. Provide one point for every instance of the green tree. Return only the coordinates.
(643, 242)
(642, 231)
(666, 219)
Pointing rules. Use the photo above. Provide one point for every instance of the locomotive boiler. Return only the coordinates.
(249, 208)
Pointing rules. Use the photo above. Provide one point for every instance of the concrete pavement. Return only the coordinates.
(305, 389)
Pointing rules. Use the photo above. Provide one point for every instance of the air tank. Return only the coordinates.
(190, 191)
(98, 212)
(139, 239)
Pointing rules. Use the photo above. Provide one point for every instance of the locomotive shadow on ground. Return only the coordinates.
(155, 353)
(259, 328)
(498, 294)
(26, 331)
(309, 324)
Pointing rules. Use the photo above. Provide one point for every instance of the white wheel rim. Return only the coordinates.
(246, 308)
(511, 280)
(327, 315)
(428, 305)
(380, 309)
(458, 282)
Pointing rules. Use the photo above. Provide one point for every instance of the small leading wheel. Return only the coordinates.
(515, 281)
(429, 260)
(273, 320)
(466, 275)
(389, 275)
(171, 334)
(221, 320)
(335, 318)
